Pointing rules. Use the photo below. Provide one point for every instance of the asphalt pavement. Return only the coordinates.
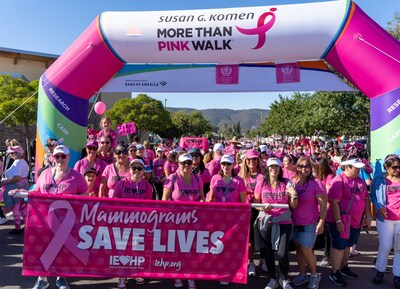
(11, 267)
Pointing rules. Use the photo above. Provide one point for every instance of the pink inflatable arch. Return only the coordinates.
(185, 50)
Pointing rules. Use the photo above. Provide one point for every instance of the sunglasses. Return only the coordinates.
(91, 148)
(132, 151)
(187, 163)
(137, 169)
(395, 167)
(303, 166)
(226, 164)
(60, 157)
(118, 153)
(50, 145)
(105, 142)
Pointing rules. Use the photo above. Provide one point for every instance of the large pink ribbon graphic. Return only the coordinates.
(261, 28)
(62, 236)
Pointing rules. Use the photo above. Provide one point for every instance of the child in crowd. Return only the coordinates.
(106, 129)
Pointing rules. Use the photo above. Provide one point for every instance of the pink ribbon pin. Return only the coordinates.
(62, 235)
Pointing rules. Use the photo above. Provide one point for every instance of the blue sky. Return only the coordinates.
(52, 26)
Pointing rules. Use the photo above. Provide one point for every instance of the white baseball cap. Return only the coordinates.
(353, 162)
(227, 159)
(273, 161)
(61, 149)
(218, 146)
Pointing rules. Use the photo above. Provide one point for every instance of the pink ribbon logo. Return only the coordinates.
(262, 27)
(62, 236)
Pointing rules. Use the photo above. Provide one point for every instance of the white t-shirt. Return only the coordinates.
(18, 168)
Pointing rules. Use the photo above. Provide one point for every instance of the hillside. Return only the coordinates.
(248, 118)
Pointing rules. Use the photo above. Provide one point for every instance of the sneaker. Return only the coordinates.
(41, 284)
(337, 279)
(314, 282)
(396, 282)
(191, 284)
(10, 214)
(139, 281)
(324, 262)
(252, 269)
(300, 280)
(61, 283)
(285, 284)
(3, 220)
(178, 283)
(223, 283)
(272, 284)
(263, 265)
(378, 277)
(122, 283)
(346, 272)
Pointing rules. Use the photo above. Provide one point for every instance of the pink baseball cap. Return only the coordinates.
(251, 154)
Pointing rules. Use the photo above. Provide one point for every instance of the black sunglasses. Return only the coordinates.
(137, 169)
(187, 163)
(303, 166)
(395, 167)
(226, 164)
(123, 152)
(105, 142)
(60, 157)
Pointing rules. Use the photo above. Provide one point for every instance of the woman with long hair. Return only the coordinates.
(289, 166)
(158, 171)
(272, 191)
(385, 193)
(105, 151)
(199, 169)
(308, 218)
(171, 165)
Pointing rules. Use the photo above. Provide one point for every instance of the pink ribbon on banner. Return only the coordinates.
(62, 235)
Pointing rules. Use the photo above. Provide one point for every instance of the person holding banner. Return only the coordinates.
(115, 172)
(59, 180)
(91, 161)
(273, 228)
(133, 187)
(309, 220)
(252, 174)
(159, 174)
(184, 186)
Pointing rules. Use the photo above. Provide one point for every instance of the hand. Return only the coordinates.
(367, 222)
(267, 208)
(382, 212)
(340, 227)
(320, 228)
(292, 191)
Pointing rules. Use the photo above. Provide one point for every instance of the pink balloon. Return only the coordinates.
(100, 107)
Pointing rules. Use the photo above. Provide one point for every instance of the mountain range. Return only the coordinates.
(248, 118)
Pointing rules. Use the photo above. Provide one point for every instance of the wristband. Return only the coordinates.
(339, 221)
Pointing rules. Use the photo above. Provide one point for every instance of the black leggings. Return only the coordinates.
(282, 253)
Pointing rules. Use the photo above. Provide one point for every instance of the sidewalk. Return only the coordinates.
(11, 262)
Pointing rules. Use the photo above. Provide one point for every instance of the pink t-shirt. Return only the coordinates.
(108, 159)
(344, 191)
(171, 167)
(251, 183)
(129, 189)
(393, 200)
(287, 174)
(214, 166)
(224, 194)
(99, 165)
(72, 183)
(327, 180)
(307, 210)
(150, 154)
(268, 195)
(158, 169)
(112, 178)
(182, 192)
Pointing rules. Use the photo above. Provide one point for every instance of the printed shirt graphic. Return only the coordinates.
(129, 189)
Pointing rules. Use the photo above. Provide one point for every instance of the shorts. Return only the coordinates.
(340, 244)
(305, 235)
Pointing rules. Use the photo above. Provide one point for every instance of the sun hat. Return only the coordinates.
(61, 149)
(353, 162)
(227, 159)
(92, 143)
(15, 149)
(185, 157)
(251, 154)
(136, 161)
(234, 140)
(273, 161)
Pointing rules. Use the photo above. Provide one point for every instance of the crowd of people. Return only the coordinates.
(309, 191)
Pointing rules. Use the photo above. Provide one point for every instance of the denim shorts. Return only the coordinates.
(305, 235)
(340, 244)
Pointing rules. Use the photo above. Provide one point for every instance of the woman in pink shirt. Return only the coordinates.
(385, 195)
(289, 166)
(308, 218)
(252, 174)
(133, 187)
(158, 171)
(184, 186)
(105, 151)
(199, 169)
(115, 172)
(171, 165)
(59, 180)
(92, 161)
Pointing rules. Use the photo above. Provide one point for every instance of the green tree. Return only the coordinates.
(148, 114)
(18, 106)
(191, 124)
(394, 26)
